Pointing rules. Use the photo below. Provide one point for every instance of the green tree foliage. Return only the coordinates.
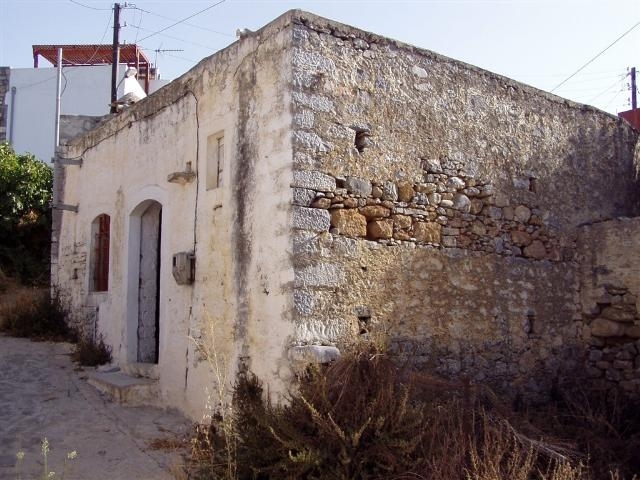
(25, 215)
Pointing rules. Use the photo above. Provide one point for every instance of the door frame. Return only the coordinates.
(133, 276)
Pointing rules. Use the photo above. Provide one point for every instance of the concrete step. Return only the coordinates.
(126, 389)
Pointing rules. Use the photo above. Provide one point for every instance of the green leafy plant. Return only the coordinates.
(25, 215)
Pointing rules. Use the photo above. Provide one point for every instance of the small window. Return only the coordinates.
(100, 233)
(215, 160)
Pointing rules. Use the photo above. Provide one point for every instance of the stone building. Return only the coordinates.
(313, 184)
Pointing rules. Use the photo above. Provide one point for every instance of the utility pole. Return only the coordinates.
(634, 101)
(115, 60)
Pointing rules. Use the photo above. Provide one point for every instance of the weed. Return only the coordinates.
(47, 474)
(91, 353)
(19, 461)
(214, 446)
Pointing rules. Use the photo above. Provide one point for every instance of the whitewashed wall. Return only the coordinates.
(86, 91)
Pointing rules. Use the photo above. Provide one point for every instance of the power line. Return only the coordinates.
(585, 92)
(581, 87)
(88, 6)
(613, 99)
(594, 82)
(104, 34)
(590, 61)
(208, 47)
(602, 73)
(618, 80)
(38, 83)
(134, 20)
(185, 23)
(180, 58)
(183, 20)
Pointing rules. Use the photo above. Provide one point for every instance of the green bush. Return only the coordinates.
(25, 216)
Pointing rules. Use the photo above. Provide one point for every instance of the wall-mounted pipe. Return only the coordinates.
(58, 94)
(12, 114)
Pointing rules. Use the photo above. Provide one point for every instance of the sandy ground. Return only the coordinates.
(42, 394)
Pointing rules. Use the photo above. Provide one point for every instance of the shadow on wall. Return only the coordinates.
(609, 300)
(501, 320)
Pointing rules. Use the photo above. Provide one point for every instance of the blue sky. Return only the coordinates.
(539, 42)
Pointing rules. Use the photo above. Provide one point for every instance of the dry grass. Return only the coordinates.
(16, 298)
(214, 444)
(30, 312)
(363, 417)
(605, 425)
(169, 444)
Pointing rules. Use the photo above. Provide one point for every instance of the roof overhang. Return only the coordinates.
(97, 54)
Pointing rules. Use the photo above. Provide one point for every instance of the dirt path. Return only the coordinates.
(42, 395)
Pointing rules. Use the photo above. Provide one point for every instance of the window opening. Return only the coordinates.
(362, 140)
(215, 160)
(102, 227)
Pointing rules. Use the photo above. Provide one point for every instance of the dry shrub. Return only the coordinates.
(4, 282)
(363, 417)
(340, 424)
(91, 353)
(208, 458)
(168, 444)
(605, 425)
(32, 313)
(12, 294)
(213, 446)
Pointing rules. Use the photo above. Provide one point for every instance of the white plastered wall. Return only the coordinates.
(126, 162)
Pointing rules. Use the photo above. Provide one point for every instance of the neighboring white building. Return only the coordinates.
(31, 101)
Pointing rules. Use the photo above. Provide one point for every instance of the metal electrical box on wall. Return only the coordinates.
(184, 268)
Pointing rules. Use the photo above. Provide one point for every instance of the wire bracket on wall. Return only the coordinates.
(64, 206)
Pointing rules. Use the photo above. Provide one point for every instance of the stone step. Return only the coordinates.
(126, 389)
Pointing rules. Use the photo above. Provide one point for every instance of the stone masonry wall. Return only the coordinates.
(439, 203)
(610, 276)
(450, 209)
(71, 126)
(4, 89)
(487, 311)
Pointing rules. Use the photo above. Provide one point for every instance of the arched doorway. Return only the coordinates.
(149, 284)
(145, 240)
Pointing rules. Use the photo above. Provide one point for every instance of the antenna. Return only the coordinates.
(162, 50)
